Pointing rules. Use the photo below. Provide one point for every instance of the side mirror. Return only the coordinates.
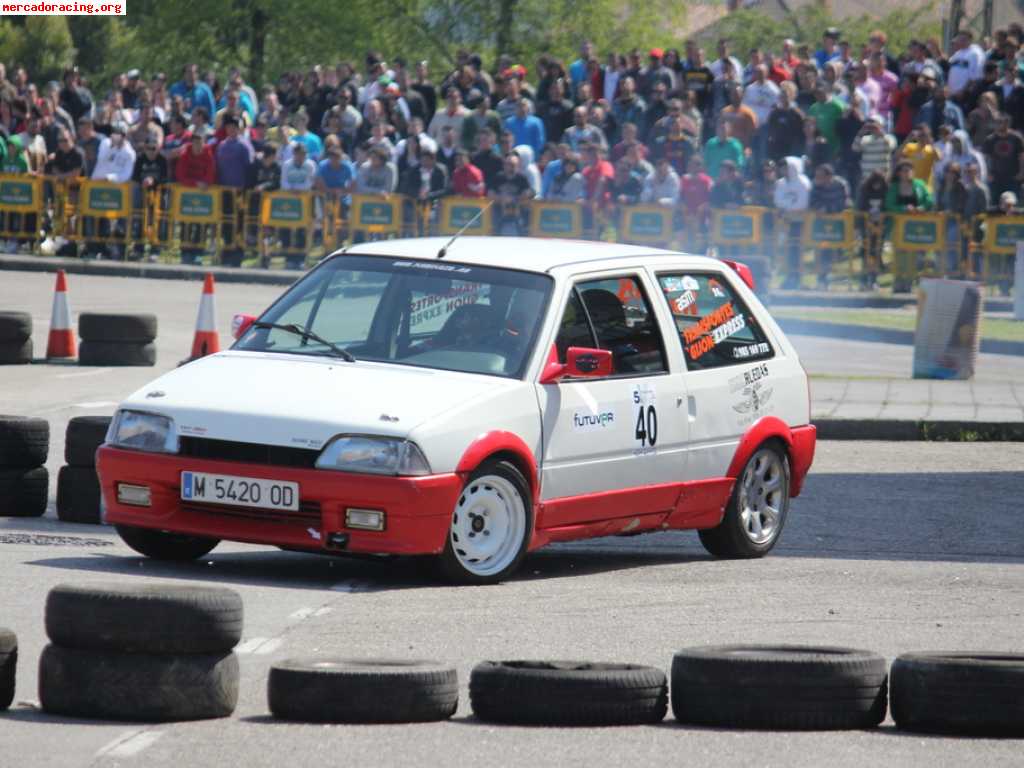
(580, 362)
(240, 324)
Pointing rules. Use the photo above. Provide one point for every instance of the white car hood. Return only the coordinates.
(301, 401)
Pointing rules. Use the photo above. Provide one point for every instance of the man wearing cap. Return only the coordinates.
(874, 146)
(115, 159)
(828, 51)
(655, 72)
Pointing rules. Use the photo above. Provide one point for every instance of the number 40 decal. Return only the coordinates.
(646, 431)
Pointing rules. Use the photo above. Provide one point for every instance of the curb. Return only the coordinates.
(74, 266)
(937, 431)
(881, 335)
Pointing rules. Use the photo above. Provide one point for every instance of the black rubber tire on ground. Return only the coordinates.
(15, 326)
(110, 685)
(729, 539)
(105, 326)
(362, 691)
(84, 435)
(164, 618)
(567, 693)
(116, 353)
(784, 687)
(976, 693)
(8, 666)
(447, 565)
(24, 441)
(78, 495)
(24, 492)
(16, 352)
(165, 545)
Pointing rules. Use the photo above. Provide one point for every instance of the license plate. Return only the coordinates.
(239, 491)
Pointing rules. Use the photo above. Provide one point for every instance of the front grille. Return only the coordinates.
(307, 514)
(250, 453)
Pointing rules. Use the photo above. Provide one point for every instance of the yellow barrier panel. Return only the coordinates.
(1002, 233)
(457, 212)
(919, 232)
(736, 226)
(647, 223)
(829, 230)
(376, 215)
(21, 194)
(105, 199)
(196, 206)
(556, 220)
(286, 209)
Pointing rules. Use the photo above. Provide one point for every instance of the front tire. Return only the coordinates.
(757, 509)
(163, 545)
(490, 527)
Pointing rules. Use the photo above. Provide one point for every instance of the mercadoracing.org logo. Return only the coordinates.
(63, 9)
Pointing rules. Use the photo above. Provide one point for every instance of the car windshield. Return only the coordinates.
(430, 314)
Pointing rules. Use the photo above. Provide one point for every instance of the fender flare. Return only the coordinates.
(500, 441)
(765, 428)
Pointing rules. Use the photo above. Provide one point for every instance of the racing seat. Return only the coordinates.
(609, 318)
(470, 325)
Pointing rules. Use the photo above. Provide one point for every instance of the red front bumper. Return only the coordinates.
(417, 509)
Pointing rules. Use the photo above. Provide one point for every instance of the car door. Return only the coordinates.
(623, 431)
(731, 379)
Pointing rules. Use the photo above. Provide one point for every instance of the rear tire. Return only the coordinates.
(757, 509)
(490, 527)
(164, 545)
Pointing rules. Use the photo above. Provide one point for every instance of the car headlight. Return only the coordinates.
(373, 455)
(141, 431)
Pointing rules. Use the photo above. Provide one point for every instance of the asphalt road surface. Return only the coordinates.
(892, 547)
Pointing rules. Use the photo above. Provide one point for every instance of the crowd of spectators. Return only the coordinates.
(823, 127)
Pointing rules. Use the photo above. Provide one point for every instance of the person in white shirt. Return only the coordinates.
(299, 173)
(761, 95)
(966, 64)
(115, 158)
(723, 54)
(662, 186)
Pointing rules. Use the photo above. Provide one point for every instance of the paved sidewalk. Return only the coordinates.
(917, 400)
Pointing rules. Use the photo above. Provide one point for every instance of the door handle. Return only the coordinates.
(691, 407)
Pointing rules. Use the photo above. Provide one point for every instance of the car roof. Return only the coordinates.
(532, 254)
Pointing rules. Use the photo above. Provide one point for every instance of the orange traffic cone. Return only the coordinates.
(62, 338)
(206, 340)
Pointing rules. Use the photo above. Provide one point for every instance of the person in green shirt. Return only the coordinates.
(826, 111)
(906, 195)
(14, 160)
(722, 146)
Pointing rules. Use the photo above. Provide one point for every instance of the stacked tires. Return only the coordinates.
(24, 481)
(152, 654)
(78, 485)
(15, 338)
(116, 339)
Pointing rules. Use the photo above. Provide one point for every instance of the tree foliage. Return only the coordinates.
(41, 44)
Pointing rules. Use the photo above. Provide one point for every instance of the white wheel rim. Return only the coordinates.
(488, 525)
(763, 494)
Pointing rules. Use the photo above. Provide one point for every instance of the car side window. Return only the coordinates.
(614, 314)
(715, 327)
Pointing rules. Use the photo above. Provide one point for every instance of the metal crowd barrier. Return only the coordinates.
(223, 225)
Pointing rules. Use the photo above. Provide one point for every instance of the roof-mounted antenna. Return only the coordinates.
(444, 250)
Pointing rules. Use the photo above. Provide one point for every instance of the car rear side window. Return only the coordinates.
(715, 327)
(613, 314)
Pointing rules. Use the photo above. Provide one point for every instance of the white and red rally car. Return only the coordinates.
(474, 404)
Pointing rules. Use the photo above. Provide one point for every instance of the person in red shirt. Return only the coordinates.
(196, 166)
(778, 72)
(467, 179)
(598, 174)
(695, 191)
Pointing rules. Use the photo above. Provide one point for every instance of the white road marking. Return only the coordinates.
(260, 646)
(323, 611)
(302, 613)
(82, 374)
(96, 404)
(130, 743)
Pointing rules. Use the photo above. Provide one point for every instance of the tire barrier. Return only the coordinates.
(117, 339)
(24, 481)
(362, 691)
(786, 687)
(8, 666)
(567, 693)
(152, 653)
(977, 693)
(78, 486)
(15, 338)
